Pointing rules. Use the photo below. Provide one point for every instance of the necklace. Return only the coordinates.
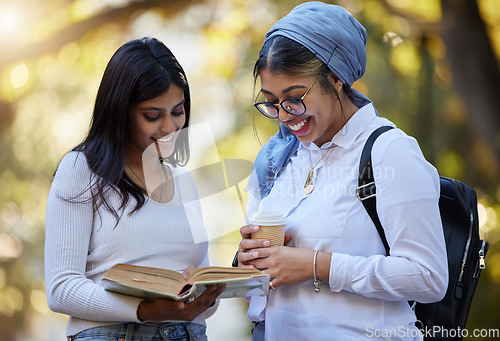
(309, 184)
(150, 194)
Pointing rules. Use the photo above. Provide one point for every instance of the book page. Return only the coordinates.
(153, 279)
(151, 283)
(211, 273)
(256, 285)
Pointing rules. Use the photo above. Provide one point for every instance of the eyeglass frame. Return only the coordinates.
(276, 106)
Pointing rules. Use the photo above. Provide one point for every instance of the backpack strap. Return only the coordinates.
(366, 190)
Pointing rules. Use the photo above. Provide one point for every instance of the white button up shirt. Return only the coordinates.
(367, 292)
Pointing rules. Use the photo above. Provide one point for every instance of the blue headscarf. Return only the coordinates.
(332, 34)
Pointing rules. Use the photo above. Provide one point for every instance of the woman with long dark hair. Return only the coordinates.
(115, 198)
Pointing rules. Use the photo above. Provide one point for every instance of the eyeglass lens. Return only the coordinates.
(294, 106)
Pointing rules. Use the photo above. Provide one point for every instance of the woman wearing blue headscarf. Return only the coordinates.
(333, 279)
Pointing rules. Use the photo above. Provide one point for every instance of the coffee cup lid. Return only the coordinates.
(267, 218)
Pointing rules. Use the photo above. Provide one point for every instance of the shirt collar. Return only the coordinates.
(349, 132)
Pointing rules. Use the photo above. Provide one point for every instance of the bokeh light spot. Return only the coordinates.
(39, 301)
(19, 76)
(10, 19)
(69, 54)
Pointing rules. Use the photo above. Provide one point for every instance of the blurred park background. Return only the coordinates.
(433, 69)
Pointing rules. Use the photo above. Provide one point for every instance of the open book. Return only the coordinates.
(151, 283)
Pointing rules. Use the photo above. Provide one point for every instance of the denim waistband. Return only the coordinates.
(178, 331)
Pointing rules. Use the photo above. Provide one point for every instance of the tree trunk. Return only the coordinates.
(474, 67)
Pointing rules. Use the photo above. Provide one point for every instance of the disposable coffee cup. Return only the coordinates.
(272, 227)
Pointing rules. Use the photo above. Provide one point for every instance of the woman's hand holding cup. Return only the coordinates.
(266, 229)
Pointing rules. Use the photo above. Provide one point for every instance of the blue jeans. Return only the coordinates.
(258, 331)
(181, 331)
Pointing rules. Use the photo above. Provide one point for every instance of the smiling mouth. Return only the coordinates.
(299, 125)
(165, 139)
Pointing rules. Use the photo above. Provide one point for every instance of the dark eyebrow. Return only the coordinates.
(153, 109)
(180, 103)
(163, 109)
(293, 87)
(290, 88)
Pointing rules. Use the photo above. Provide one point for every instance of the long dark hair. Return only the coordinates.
(138, 71)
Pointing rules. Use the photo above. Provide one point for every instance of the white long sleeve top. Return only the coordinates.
(367, 292)
(81, 245)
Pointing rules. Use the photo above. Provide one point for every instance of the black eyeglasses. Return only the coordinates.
(294, 106)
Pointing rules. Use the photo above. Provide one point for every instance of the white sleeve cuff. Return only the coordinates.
(339, 265)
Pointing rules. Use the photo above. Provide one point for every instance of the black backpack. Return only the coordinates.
(443, 320)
